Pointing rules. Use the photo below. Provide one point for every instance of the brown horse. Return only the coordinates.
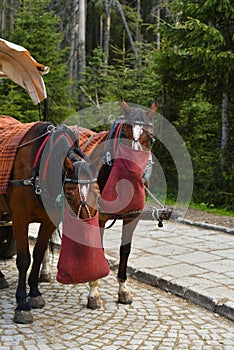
(47, 164)
(134, 130)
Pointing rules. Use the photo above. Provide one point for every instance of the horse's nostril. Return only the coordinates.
(69, 196)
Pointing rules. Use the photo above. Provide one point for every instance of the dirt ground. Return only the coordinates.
(214, 219)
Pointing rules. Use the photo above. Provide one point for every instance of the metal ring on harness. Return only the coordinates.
(155, 215)
(111, 118)
(51, 128)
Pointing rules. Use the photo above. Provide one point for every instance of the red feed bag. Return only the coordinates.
(124, 190)
(81, 256)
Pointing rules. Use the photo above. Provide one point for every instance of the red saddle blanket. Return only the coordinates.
(81, 256)
(12, 132)
(124, 190)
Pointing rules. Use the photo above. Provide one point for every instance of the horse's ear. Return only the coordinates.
(68, 166)
(125, 108)
(152, 109)
(154, 106)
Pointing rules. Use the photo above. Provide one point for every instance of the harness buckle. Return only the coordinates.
(28, 182)
(108, 158)
(37, 185)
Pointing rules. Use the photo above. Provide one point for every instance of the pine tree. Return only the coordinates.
(197, 64)
(37, 29)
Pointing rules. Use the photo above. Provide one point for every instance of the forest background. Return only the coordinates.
(180, 52)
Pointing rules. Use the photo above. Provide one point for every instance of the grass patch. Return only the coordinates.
(213, 210)
(202, 206)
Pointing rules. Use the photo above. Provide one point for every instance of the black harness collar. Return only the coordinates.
(74, 150)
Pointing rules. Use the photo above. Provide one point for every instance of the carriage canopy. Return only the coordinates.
(17, 64)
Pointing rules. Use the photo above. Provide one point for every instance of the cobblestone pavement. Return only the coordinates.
(155, 320)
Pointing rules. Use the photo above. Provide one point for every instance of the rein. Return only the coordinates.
(50, 129)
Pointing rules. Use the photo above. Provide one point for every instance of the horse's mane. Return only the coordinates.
(40, 129)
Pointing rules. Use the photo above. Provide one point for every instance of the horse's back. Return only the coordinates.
(13, 134)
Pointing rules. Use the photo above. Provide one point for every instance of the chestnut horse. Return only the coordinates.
(47, 164)
(135, 131)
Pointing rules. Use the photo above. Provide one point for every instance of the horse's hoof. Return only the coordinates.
(124, 298)
(36, 302)
(94, 303)
(3, 283)
(45, 277)
(23, 317)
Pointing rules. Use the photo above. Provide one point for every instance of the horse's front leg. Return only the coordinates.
(45, 275)
(22, 311)
(124, 294)
(94, 299)
(36, 300)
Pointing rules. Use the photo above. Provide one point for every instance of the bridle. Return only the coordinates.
(83, 188)
(138, 127)
(116, 134)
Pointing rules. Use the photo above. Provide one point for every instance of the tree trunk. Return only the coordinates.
(158, 23)
(81, 40)
(224, 141)
(72, 62)
(138, 21)
(123, 19)
(11, 15)
(107, 32)
(101, 32)
(3, 18)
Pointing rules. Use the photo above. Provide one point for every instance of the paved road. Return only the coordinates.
(192, 262)
(156, 320)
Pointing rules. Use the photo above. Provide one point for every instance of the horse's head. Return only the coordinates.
(80, 187)
(137, 125)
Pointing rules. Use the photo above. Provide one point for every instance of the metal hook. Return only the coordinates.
(51, 128)
(111, 118)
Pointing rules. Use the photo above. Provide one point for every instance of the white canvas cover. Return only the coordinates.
(17, 64)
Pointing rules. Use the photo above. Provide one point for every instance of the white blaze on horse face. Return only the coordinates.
(137, 130)
(84, 191)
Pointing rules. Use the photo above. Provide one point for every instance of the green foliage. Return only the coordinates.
(37, 29)
(188, 75)
(202, 139)
(98, 85)
(196, 62)
(136, 82)
(211, 209)
(12, 97)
